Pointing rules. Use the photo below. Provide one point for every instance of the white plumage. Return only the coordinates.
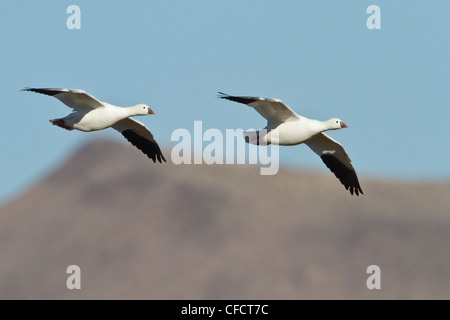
(293, 129)
(90, 114)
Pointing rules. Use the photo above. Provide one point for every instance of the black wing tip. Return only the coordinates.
(345, 175)
(358, 189)
(46, 91)
(156, 157)
(355, 189)
(222, 95)
(244, 100)
(29, 89)
(354, 185)
(149, 148)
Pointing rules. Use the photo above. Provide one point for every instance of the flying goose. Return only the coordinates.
(294, 129)
(90, 114)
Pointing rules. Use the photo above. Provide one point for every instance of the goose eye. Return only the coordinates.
(337, 121)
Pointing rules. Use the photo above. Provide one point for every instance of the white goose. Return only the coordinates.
(293, 129)
(90, 114)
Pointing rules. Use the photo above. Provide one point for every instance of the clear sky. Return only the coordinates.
(391, 86)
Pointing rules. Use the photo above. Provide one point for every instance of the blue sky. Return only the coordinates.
(391, 86)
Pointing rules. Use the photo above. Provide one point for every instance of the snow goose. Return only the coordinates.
(90, 114)
(294, 129)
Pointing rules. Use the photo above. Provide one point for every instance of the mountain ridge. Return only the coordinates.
(141, 230)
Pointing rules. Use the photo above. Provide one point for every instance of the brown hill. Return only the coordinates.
(144, 230)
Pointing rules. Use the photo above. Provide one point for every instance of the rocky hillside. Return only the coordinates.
(149, 231)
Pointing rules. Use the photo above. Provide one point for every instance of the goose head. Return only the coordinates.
(142, 110)
(335, 124)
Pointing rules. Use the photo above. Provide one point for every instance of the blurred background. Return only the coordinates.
(150, 231)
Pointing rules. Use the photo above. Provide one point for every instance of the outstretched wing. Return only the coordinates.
(274, 110)
(140, 137)
(73, 98)
(336, 159)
